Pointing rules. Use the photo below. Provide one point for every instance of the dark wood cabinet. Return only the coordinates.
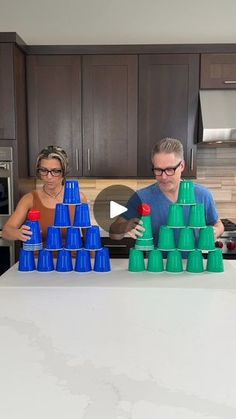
(7, 95)
(218, 71)
(110, 115)
(168, 106)
(54, 106)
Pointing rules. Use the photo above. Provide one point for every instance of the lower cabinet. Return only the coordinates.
(118, 248)
(168, 106)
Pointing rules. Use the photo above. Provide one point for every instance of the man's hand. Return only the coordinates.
(134, 228)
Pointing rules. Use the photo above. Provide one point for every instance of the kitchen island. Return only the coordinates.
(118, 345)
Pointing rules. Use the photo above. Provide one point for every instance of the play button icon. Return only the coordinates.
(116, 209)
(113, 202)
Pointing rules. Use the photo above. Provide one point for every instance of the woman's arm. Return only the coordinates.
(14, 229)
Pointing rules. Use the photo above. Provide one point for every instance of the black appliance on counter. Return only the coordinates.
(227, 242)
(7, 250)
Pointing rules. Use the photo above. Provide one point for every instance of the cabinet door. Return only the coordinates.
(54, 106)
(110, 115)
(218, 71)
(7, 104)
(168, 105)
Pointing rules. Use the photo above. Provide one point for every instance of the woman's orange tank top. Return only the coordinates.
(47, 215)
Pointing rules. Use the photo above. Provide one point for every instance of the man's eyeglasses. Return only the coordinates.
(44, 172)
(169, 171)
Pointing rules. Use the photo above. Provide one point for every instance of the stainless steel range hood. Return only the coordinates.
(218, 111)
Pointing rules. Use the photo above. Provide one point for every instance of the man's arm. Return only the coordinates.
(218, 228)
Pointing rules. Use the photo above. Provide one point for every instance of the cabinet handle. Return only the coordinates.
(77, 159)
(89, 162)
(230, 82)
(191, 159)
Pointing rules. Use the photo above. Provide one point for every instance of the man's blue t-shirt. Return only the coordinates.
(159, 204)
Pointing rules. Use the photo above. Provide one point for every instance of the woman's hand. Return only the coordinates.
(24, 233)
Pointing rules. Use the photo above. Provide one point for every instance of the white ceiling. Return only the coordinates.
(120, 21)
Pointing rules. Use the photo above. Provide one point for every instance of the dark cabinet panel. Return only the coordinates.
(7, 102)
(168, 105)
(218, 71)
(54, 106)
(110, 115)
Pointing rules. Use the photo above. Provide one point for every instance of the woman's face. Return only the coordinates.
(50, 172)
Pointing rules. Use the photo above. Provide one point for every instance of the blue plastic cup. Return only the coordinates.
(82, 216)
(92, 239)
(83, 261)
(35, 240)
(54, 238)
(45, 261)
(71, 192)
(26, 261)
(73, 239)
(64, 261)
(62, 216)
(102, 261)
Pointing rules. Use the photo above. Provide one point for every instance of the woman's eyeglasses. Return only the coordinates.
(169, 171)
(44, 172)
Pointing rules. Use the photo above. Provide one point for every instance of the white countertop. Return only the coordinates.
(118, 345)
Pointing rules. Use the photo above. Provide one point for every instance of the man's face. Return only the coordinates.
(168, 183)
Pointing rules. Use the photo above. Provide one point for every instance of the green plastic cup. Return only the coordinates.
(176, 216)
(166, 240)
(186, 240)
(136, 261)
(174, 262)
(144, 244)
(186, 194)
(155, 261)
(215, 261)
(206, 240)
(197, 216)
(195, 262)
(147, 224)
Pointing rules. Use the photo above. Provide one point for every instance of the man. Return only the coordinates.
(167, 165)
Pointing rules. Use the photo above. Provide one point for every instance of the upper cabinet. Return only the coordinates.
(54, 106)
(7, 95)
(106, 146)
(110, 115)
(168, 106)
(218, 71)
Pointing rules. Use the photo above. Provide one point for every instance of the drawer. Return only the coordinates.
(218, 71)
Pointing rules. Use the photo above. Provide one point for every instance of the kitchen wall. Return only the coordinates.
(216, 169)
(120, 22)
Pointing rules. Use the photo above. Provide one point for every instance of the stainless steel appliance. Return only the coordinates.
(6, 205)
(227, 242)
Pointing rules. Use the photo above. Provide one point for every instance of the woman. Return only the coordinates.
(51, 169)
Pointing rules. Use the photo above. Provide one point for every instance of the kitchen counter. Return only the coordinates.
(118, 345)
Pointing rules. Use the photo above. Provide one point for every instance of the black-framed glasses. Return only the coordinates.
(169, 171)
(42, 171)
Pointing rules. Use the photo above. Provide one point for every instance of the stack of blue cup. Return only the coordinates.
(45, 261)
(71, 192)
(35, 239)
(26, 261)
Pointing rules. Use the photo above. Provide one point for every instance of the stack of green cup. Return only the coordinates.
(166, 240)
(215, 261)
(186, 194)
(195, 262)
(136, 261)
(174, 262)
(155, 261)
(146, 241)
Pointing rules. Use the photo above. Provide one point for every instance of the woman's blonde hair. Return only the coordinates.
(54, 152)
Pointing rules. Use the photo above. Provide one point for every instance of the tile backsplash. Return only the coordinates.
(216, 169)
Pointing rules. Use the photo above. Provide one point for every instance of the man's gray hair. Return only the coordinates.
(169, 145)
